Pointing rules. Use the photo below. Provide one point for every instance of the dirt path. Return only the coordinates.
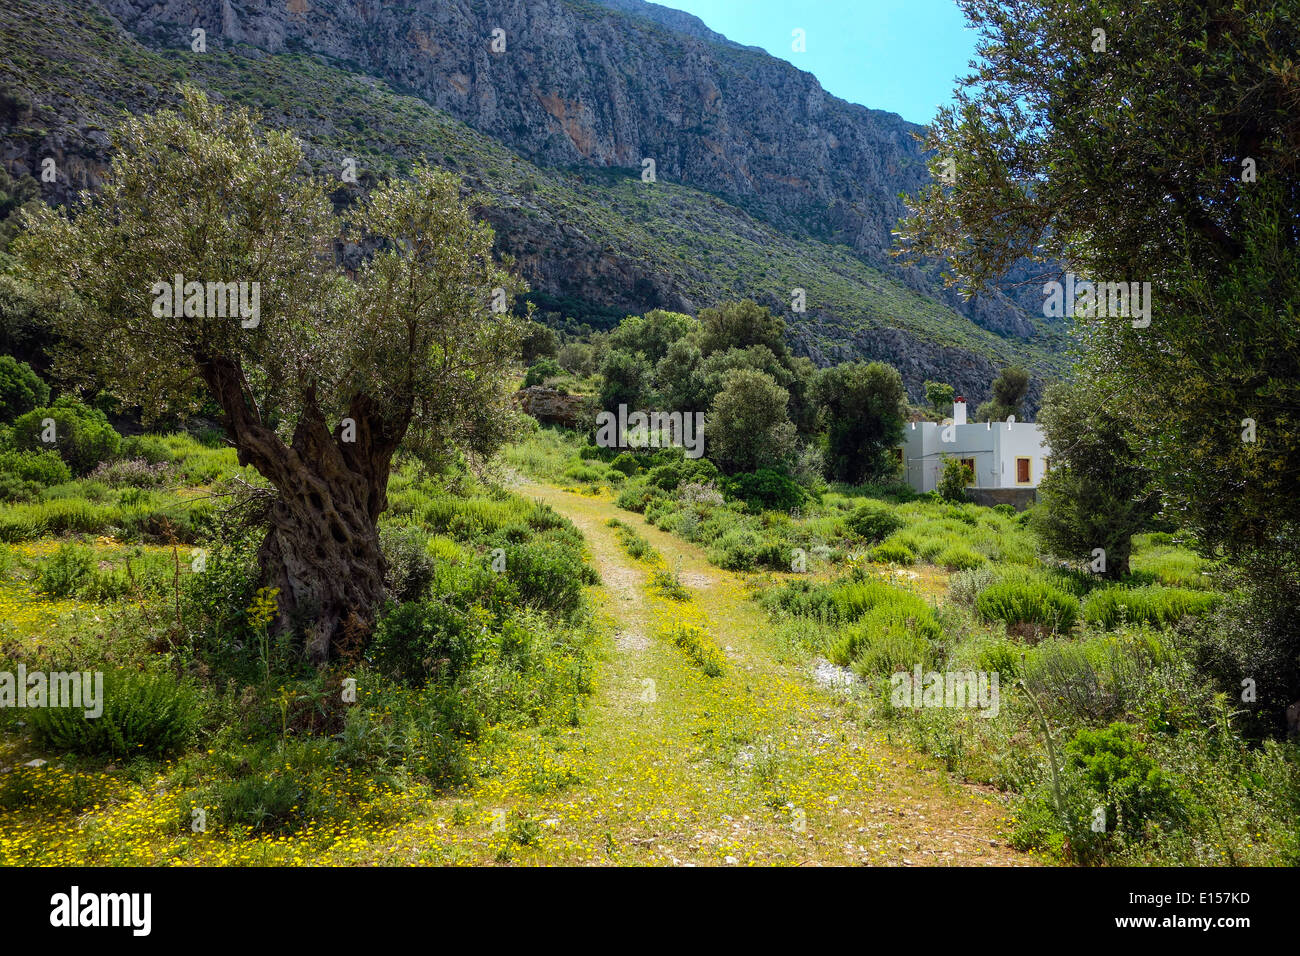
(757, 766)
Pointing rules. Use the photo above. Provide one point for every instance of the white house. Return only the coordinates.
(1003, 455)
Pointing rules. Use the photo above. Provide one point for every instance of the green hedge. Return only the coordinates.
(1028, 600)
(1154, 605)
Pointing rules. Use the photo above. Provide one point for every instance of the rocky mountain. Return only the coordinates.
(764, 183)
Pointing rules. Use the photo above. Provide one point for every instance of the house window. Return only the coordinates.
(970, 463)
(1022, 471)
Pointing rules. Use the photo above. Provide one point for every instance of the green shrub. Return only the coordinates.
(21, 389)
(737, 550)
(421, 641)
(850, 601)
(589, 474)
(696, 644)
(540, 371)
(668, 475)
(216, 601)
(959, 557)
(67, 571)
(270, 803)
(44, 468)
(149, 713)
(410, 565)
(1115, 765)
(892, 552)
(897, 632)
(965, 587)
(954, 479)
(962, 514)
(24, 474)
(1027, 600)
(634, 498)
(82, 436)
(597, 453)
(993, 654)
(469, 518)
(549, 575)
(633, 543)
(667, 583)
(873, 521)
(150, 448)
(1093, 681)
(802, 598)
(1154, 605)
(765, 490)
(627, 463)
(32, 520)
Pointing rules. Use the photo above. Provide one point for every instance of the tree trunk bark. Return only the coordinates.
(322, 550)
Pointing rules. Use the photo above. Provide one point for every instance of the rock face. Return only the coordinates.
(604, 86)
(613, 84)
(554, 128)
(553, 408)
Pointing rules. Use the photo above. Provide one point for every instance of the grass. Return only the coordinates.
(203, 713)
(695, 643)
(964, 588)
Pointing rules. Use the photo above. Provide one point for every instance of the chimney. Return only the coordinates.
(959, 411)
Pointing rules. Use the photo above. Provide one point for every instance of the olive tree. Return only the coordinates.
(748, 427)
(322, 371)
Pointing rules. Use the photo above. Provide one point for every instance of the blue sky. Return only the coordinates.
(896, 55)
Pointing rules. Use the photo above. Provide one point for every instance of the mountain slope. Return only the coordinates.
(594, 240)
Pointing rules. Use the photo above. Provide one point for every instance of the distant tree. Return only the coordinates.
(940, 396)
(539, 372)
(686, 380)
(81, 435)
(1098, 494)
(866, 407)
(625, 380)
(954, 478)
(747, 427)
(336, 369)
(742, 324)
(539, 341)
(650, 335)
(21, 389)
(577, 358)
(802, 386)
(679, 382)
(1009, 391)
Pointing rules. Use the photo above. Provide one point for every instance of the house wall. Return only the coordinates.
(1022, 439)
(994, 449)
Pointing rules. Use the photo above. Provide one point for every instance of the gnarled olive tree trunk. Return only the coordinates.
(322, 552)
(322, 549)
